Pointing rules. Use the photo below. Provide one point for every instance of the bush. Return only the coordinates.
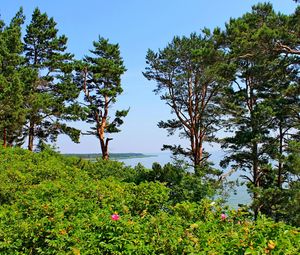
(184, 186)
(58, 207)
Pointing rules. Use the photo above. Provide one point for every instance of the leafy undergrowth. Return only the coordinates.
(50, 204)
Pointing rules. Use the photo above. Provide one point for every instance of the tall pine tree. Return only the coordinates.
(282, 93)
(261, 101)
(191, 73)
(12, 113)
(50, 97)
(100, 80)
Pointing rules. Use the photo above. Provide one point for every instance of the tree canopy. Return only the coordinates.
(191, 73)
(51, 93)
(238, 87)
(12, 74)
(100, 79)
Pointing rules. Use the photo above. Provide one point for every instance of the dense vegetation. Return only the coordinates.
(242, 80)
(50, 204)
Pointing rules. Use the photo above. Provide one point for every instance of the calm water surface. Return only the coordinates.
(241, 195)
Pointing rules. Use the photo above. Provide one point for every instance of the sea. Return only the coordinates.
(237, 196)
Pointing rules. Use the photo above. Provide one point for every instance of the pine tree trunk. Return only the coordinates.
(31, 136)
(198, 157)
(104, 149)
(193, 142)
(197, 149)
(280, 164)
(103, 144)
(200, 153)
(4, 138)
(255, 176)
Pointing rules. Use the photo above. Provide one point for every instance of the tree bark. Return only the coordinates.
(280, 164)
(104, 145)
(31, 136)
(255, 177)
(104, 149)
(199, 151)
(251, 101)
(101, 123)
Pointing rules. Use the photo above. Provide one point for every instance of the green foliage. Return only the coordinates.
(102, 169)
(52, 204)
(191, 73)
(283, 203)
(183, 185)
(99, 76)
(50, 94)
(263, 103)
(12, 113)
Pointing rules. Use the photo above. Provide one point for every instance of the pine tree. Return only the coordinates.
(261, 101)
(283, 94)
(100, 80)
(12, 113)
(191, 73)
(50, 97)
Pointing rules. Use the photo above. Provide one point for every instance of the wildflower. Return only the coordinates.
(115, 216)
(223, 216)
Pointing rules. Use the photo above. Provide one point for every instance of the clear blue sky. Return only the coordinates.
(136, 25)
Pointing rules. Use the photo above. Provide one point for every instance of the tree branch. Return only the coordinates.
(286, 49)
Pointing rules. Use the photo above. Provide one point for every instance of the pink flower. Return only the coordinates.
(115, 216)
(223, 216)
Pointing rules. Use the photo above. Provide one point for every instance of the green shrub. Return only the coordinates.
(54, 205)
(184, 186)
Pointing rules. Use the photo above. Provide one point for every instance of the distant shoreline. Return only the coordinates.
(113, 156)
